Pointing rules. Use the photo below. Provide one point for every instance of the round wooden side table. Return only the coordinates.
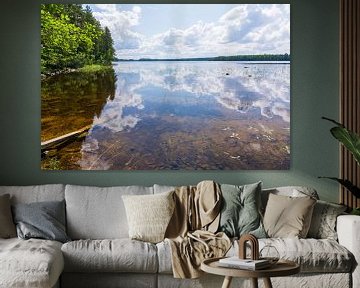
(281, 268)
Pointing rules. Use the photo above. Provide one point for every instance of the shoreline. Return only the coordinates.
(85, 69)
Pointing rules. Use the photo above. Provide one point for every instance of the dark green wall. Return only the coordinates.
(314, 93)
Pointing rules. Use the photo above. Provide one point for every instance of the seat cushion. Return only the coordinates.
(108, 280)
(30, 263)
(117, 255)
(313, 255)
(164, 257)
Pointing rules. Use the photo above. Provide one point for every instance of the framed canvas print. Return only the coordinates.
(165, 86)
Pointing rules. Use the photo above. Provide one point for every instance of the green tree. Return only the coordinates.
(63, 44)
(108, 49)
(71, 37)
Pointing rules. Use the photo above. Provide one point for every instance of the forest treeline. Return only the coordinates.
(71, 38)
(255, 57)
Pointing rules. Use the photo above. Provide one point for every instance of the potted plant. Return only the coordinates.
(351, 141)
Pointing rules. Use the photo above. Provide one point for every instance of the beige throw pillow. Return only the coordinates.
(288, 217)
(148, 215)
(7, 226)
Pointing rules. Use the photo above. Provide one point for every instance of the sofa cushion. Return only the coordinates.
(163, 188)
(149, 215)
(313, 255)
(98, 213)
(117, 255)
(43, 220)
(35, 193)
(109, 280)
(164, 257)
(30, 263)
(7, 226)
(287, 216)
(291, 191)
(240, 210)
(323, 222)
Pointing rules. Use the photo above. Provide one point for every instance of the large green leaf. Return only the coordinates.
(349, 139)
(348, 185)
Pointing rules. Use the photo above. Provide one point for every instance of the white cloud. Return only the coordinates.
(106, 7)
(121, 24)
(245, 29)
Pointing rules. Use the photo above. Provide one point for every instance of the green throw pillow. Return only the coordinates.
(240, 213)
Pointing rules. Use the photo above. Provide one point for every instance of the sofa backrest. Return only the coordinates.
(35, 193)
(293, 191)
(162, 188)
(98, 213)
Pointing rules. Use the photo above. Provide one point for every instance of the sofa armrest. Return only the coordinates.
(348, 230)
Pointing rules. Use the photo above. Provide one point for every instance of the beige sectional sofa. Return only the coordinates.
(102, 255)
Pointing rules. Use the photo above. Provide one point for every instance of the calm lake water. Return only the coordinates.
(171, 115)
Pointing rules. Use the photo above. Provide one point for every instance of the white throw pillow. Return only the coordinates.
(149, 215)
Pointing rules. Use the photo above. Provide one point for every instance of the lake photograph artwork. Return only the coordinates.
(165, 86)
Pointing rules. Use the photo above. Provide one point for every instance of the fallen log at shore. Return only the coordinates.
(57, 142)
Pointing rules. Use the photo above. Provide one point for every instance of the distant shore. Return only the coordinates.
(249, 58)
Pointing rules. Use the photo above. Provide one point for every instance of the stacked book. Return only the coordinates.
(248, 264)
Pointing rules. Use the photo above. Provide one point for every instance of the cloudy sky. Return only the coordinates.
(195, 30)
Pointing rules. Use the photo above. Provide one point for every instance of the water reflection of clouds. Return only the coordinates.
(205, 89)
(113, 116)
(236, 86)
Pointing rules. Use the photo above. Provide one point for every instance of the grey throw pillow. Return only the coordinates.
(240, 213)
(323, 222)
(44, 220)
(7, 226)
